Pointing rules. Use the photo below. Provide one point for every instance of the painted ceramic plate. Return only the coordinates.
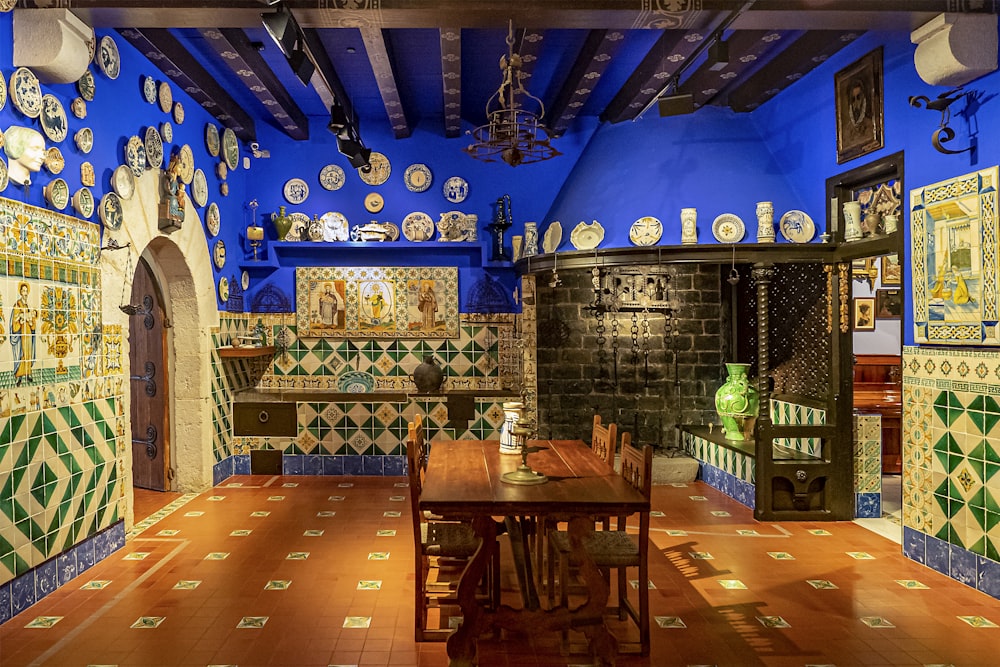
(797, 226)
(54, 160)
(154, 148)
(107, 57)
(213, 221)
(418, 227)
(223, 288)
(300, 223)
(456, 189)
(245, 280)
(78, 107)
(379, 172)
(335, 227)
(84, 139)
(356, 382)
(219, 254)
(552, 237)
(135, 156)
(212, 139)
(111, 211)
(230, 149)
(587, 237)
(25, 93)
(199, 188)
(187, 164)
(149, 89)
(85, 84)
(166, 131)
(87, 176)
(728, 228)
(222, 170)
(224, 189)
(4, 178)
(417, 177)
(83, 202)
(123, 182)
(53, 118)
(166, 97)
(645, 231)
(178, 113)
(57, 193)
(296, 191)
(3, 92)
(331, 177)
(374, 202)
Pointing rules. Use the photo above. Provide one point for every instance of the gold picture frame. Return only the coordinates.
(891, 270)
(859, 107)
(864, 313)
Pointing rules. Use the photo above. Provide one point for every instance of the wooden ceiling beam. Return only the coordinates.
(381, 62)
(595, 56)
(451, 80)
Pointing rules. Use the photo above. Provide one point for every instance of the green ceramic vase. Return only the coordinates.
(737, 401)
(282, 223)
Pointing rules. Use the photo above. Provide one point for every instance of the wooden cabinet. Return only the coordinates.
(878, 387)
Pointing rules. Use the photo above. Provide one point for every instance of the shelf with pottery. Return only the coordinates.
(319, 250)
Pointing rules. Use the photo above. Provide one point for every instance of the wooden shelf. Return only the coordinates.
(246, 352)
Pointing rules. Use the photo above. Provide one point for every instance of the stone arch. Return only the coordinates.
(183, 267)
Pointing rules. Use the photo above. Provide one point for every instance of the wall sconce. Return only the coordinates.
(942, 103)
(255, 235)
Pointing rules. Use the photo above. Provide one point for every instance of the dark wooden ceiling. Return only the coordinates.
(434, 64)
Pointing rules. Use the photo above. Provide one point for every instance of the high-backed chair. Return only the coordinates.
(436, 540)
(616, 549)
(603, 440)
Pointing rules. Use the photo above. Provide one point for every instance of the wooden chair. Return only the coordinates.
(603, 440)
(616, 549)
(444, 542)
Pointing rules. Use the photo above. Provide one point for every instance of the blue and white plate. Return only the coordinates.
(417, 177)
(108, 58)
(331, 177)
(111, 211)
(296, 190)
(456, 189)
(25, 93)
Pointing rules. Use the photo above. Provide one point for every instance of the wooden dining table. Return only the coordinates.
(463, 482)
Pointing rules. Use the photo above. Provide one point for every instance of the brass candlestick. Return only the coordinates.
(524, 474)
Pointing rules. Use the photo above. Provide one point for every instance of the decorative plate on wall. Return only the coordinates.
(797, 226)
(108, 58)
(54, 160)
(245, 280)
(4, 178)
(212, 139)
(418, 227)
(166, 131)
(230, 149)
(187, 164)
(335, 227)
(166, 97)
(645, 231)
(223, 288)
(587, 237)
(135, 155)
(374, 202)
(728, 228)
(379, 172)
(456, 189)
(154, 148)
(417, 177)
(85, 85)
(224, 189)
(552, 237)
(219, 254)
(331, 177)
(149, 89)
(300, 223)
(53, 118)
(199, 188)
(213, 221)
(296, 191)
(84, 139)
(3, 92)
(83, 202)
(221, 170)
(111, 211)
(123, 182)
(25, 93)
(78, 107)
(57, 193)
(87, 175)
(178, 113)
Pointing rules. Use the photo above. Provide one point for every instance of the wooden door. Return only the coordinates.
(148, 382)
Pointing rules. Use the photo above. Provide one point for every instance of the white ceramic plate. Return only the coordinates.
(455, 189)
(154, 148)
(552, 237)
(223, 289)
(166, 131)
(335, 227)
(213, 221)
(728, 228)
(230, 149)
(331, 177)
(178, 113)
(797, 226)
(57, 193)
(111, 211)
(135, 155)
(84, 139)
(379, 172)
(83, 202)
(25, 93)
(3, 92)
(187, 164)
(418, 226)
(199, 188)
(645, 231)
(123, 182)
(219, 254)
(245, 280)
(587, 237)
(296, 190)
(4, 178)
(53, 118)
(417, 177)
(107, 57)
(54, 160)
(85, 85)
(149, 89)
(212, 139)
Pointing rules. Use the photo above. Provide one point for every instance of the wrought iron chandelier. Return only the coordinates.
(513, 131)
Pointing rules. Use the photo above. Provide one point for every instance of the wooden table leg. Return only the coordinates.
(590, 617)
(462, 643)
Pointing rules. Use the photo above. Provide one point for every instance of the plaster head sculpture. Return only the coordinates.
(26, 149)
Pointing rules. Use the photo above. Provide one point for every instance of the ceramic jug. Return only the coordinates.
(736, 402)
(315, 229)
(530, 239)
(428, 376)
(282, 223)
(689, 228)
(765, 222)
(852, 221)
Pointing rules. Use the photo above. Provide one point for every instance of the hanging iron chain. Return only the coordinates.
(602, 357)
(635, 338)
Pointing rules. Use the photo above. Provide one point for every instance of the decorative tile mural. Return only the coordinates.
(377, 302)
(61, 389)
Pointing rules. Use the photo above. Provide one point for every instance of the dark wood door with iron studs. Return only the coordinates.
(147, 353)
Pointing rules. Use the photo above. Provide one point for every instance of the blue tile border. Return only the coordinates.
(21, 592)
(953, 561)
(867, 505)
(384, 465)
(737, 489)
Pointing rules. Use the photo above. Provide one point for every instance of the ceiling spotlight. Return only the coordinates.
(718, 55)
(338, 118)
(302, 66)
(282, 28)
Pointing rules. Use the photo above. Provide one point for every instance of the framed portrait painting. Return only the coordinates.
(859, 107)
(864, 313)
(888, 304)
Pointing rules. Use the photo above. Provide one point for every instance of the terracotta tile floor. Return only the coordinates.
(259, 572)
